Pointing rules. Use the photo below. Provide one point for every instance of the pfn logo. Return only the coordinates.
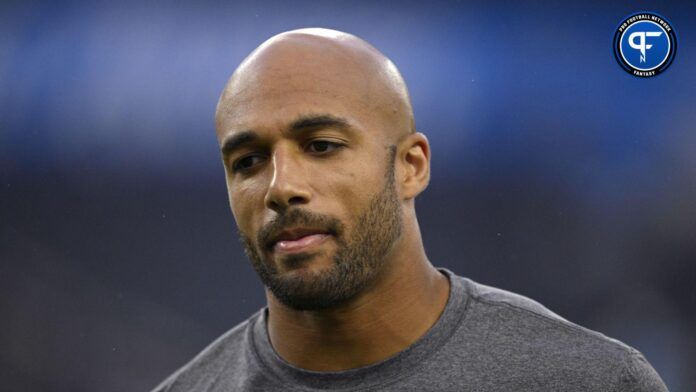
(642, 46)
(645, 44)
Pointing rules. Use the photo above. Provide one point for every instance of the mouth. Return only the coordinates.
(297, 240)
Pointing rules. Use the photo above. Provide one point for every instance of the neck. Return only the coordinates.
(404, 302)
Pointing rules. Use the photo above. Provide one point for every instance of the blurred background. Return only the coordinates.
(556, 174)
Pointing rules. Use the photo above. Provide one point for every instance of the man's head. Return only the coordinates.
(322, 163)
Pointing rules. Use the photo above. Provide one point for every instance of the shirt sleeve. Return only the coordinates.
(639, 376)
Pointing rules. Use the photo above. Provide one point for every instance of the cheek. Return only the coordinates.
(245, 201)
(351, 189)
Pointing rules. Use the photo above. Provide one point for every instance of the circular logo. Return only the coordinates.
(645, 44)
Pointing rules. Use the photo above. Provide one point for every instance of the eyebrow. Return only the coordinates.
(236, 141)
(318, 121)
(304, 122)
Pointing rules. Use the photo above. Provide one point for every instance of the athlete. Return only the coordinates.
(323, 164)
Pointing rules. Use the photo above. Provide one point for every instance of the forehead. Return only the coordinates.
(275, 103)
(298, 76)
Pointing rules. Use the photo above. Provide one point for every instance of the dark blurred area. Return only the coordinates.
(556, 174)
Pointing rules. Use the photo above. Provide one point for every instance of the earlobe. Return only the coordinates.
(415, 158)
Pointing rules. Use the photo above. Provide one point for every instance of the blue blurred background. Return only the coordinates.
(556, 174)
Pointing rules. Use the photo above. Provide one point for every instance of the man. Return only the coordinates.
(323, 164)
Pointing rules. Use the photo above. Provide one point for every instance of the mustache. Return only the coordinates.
(298, 218)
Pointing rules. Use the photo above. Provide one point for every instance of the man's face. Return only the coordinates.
(310, 176)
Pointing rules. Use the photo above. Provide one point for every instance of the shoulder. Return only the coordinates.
(228, 353)
(546, 343)
(489, 296)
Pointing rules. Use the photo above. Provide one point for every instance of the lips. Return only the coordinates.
(298, 239)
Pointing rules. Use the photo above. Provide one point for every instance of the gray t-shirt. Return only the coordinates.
(485, 340)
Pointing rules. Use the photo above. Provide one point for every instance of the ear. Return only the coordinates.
(413, 156)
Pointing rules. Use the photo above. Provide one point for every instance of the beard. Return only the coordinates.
(358, 259)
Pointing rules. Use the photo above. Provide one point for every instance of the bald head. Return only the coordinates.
(304, 69)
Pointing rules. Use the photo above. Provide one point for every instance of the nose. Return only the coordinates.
(288, 185)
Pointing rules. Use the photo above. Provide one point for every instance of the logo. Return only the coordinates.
(645, 44)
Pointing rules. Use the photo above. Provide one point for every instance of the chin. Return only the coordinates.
(301, 264)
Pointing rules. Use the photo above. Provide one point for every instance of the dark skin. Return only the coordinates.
(331, 168)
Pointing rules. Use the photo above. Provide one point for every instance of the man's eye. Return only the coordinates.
(322, 146)
(247, 162)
